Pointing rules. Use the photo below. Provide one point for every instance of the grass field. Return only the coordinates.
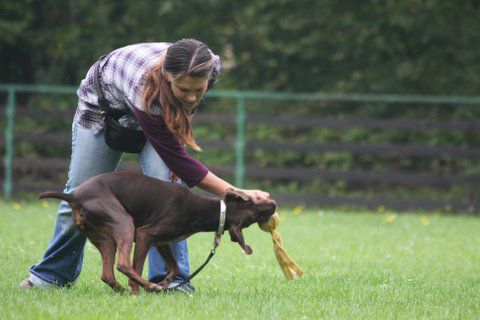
(357, 266)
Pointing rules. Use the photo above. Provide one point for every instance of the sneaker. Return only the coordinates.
(26, 284)
(186, 288)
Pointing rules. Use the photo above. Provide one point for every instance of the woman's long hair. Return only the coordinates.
(187, 57)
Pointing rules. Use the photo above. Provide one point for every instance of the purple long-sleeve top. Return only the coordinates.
(172, 152)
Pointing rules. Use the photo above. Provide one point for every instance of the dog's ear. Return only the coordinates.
(232, 193)
(236, 235)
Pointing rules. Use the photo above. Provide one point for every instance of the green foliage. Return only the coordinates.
(412, 46)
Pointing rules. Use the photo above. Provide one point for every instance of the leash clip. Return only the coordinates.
(216, 241)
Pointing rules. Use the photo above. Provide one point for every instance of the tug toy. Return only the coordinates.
(288, 266)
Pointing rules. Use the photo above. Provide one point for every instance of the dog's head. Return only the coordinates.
(242, 211)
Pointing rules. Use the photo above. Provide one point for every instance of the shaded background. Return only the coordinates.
(409, 46)
(342, 47)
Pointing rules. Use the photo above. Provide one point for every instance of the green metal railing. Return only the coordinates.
(240, 96)
(9, 130)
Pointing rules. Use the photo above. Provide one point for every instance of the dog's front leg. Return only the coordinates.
(166, 252)
(143, 241)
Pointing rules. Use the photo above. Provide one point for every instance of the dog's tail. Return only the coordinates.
(57, 195)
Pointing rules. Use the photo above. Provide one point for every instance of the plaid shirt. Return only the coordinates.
(122, 78)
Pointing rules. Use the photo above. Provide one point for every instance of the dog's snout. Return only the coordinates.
(266, 203)
(266, 209)
(271, 205)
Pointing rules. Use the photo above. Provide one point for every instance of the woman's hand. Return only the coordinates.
(218, 186)
(173, 177)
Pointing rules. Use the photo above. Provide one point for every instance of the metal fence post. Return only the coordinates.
(8, 161)
(240, 143)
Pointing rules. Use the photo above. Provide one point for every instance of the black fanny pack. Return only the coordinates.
(117, 136)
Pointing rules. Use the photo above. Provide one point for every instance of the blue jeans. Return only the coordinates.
(62, 262)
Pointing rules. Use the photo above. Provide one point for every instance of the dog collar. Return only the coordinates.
(221, 224)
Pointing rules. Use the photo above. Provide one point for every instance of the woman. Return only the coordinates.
(159, 85)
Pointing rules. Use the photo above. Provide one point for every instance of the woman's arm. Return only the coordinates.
(218, 186)
(214, 184)
(190, 170)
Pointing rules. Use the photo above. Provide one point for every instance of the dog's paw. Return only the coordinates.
(154, 287)
(158, 288)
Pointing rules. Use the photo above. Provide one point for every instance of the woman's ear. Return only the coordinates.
(168, 77)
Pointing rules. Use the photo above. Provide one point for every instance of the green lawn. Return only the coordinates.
(357, 266)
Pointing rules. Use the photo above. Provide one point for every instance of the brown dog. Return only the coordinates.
(116, 209)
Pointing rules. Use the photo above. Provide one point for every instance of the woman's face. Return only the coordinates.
(189, 90)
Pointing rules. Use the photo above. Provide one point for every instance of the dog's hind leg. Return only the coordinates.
(107, 248)
(166, 252)
(143, 241)
(124, 237)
